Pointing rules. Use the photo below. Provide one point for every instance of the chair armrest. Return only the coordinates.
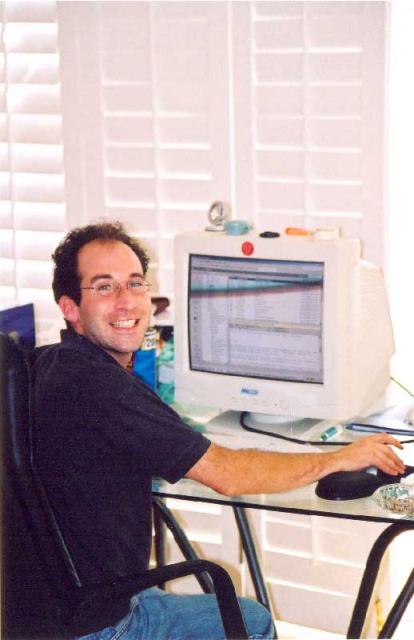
(88, 616)
(163, 513)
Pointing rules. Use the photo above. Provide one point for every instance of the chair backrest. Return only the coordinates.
(39, 582)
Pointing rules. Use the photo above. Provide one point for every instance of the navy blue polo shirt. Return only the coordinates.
(100, 435)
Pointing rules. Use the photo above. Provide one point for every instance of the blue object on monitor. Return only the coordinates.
(20, 322)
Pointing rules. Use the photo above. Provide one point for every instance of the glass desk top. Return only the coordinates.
(224, 429)
(298, 501)
(303, 501)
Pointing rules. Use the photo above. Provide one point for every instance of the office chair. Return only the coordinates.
(42, 594)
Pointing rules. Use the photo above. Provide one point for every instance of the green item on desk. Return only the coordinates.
(197, 426)
(166, 382)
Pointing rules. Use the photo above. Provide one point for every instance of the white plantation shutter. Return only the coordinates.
(277, 107)
(148, 120)
(32, 208)
(164, 107)
(309, 90)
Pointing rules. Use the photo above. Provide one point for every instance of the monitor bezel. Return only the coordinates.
(340, 258)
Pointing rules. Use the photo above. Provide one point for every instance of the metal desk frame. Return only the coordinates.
(189, 490)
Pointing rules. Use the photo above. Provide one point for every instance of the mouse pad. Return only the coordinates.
(348, 485)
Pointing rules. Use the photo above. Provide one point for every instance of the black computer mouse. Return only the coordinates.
(348, 485)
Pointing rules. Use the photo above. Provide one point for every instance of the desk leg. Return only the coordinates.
(251, 556)
(368, 583)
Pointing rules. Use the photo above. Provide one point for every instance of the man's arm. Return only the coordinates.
(248, 471)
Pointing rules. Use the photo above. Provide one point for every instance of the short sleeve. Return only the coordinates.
(109, 420)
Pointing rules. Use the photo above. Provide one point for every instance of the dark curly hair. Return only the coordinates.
(66, 278)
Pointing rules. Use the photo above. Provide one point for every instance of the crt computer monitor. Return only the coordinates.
(287, 326)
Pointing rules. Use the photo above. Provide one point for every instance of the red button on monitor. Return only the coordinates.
(247, 248)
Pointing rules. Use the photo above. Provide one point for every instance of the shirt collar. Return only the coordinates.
(72, 340)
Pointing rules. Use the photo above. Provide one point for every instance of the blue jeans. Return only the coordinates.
(157, 615)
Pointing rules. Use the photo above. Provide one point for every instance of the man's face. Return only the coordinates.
(116, 323)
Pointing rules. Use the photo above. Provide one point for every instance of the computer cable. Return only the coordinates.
(314, 443)
(400, 384)
(279, 436)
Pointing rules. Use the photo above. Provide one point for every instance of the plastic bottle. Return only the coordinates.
(145, 359)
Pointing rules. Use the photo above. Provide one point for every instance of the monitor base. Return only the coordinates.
(294, 426)
(268, 418)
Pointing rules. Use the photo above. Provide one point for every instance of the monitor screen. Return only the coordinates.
(255, 317)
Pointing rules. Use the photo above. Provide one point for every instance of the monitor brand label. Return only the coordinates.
(246, 391)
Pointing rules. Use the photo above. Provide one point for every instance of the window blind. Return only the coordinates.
(276, 107)
(150, 111)
(152, 119)
(32, 204)
(309, 80)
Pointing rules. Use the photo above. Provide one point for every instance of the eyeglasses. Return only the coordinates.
(112, 287)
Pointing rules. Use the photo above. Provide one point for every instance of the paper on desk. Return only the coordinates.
(391, 419)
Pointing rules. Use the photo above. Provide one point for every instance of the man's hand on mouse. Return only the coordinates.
(372, 450)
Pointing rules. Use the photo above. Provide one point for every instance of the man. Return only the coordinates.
(101, 434)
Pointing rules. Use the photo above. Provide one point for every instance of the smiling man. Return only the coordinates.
(115, 310)
(101, 435)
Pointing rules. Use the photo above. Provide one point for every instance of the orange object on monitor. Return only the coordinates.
(297, 231)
